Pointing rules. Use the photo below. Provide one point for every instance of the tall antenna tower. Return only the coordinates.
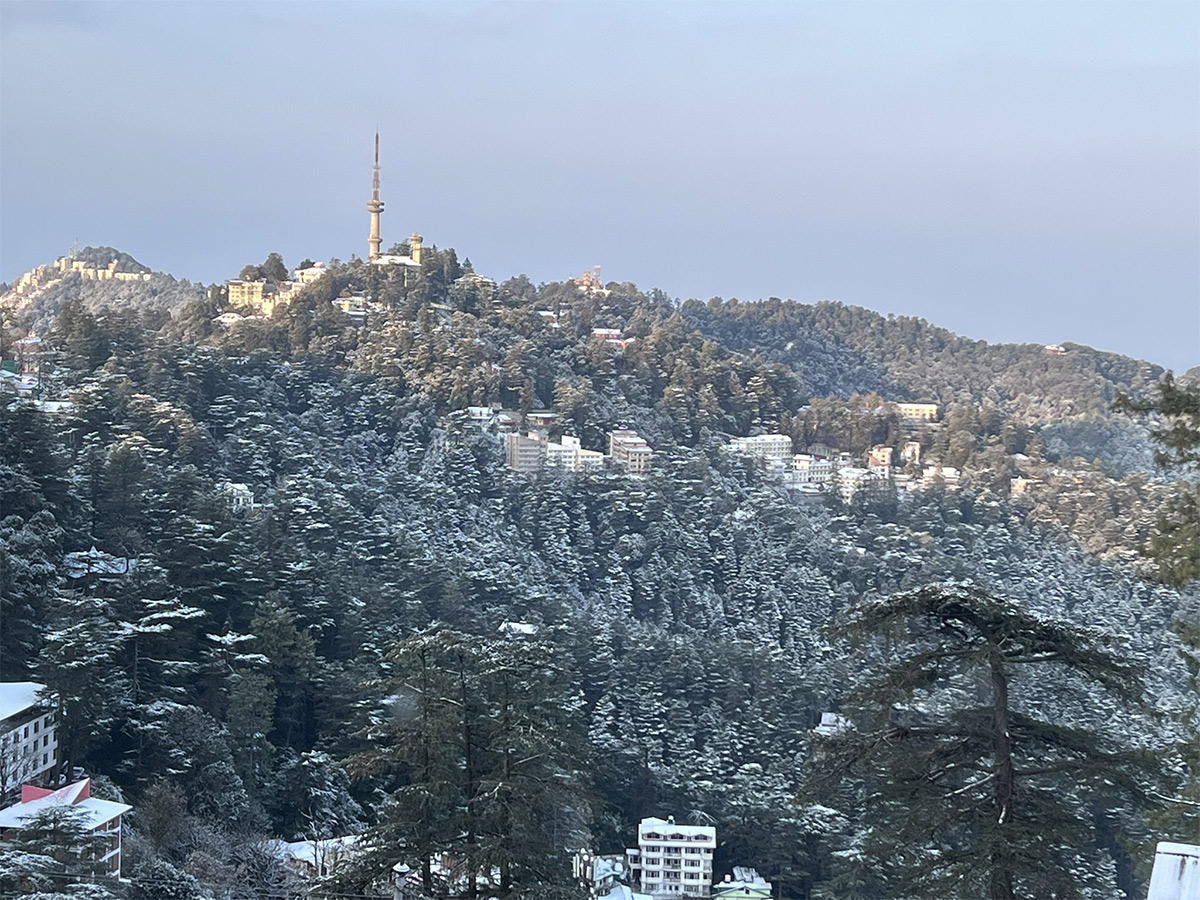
(374, 207)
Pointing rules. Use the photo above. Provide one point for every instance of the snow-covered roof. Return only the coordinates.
(392, 259)
(524, 628)
(669, 830)
(78, 795)
(18, 696)
(325, 850)
(96, 562)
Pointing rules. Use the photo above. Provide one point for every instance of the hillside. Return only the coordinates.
(37, 298)
(302, 491)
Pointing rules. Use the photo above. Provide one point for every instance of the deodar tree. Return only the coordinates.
(964, 784)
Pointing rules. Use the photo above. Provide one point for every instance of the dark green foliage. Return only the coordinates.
(964, 787)
(484, 738)
(159, 880)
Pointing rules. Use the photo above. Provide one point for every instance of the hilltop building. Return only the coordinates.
(673, 860)
(28, 743)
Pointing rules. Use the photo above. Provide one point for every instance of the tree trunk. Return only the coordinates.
(1001, 881)
(469, 774)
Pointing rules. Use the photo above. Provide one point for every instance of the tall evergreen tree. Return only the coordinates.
(968, 788)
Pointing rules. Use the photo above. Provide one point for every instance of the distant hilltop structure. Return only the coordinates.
(374, 241)
(86, 264)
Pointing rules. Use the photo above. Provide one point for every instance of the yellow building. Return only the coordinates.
(918, 412)
(245, 293)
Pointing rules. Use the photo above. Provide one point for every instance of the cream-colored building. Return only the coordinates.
(628, 450)
(92, 273)
(310, 274)
(879, 458)
(532, 452)
(262, 296)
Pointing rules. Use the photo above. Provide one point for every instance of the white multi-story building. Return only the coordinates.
(673, 860)
(808, 469)
(28, 744)
(775, 448)
(851, 479)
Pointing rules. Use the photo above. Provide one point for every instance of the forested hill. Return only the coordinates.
(839, 349)
(39, 304)
(295, 521)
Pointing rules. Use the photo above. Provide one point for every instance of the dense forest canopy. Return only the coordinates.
(246, 671)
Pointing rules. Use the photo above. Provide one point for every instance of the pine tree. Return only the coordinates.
(969, 788)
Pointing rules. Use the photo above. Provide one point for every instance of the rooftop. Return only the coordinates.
(18, 696)
(78, 795)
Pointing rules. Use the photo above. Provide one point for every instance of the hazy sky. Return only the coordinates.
(1017, 171)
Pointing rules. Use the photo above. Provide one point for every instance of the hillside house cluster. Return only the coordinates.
(826, 470)
(534, 451)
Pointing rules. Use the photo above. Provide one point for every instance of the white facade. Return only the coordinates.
(807, 469)
(673, 860)
(777, 447)
(1176, 873)
(28, 743)
(946, 475)
(850, 479)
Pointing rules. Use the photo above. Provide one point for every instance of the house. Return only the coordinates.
(604, 877)
(852, 479)
(525, 452)
(240, 496)
(833, 724)
(628, 450)
(743, 883)
(310, 274)
(673, 860)
(99, 817)
(28, 743)
(945, 475)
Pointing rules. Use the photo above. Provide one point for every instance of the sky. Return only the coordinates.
(1013, 171)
